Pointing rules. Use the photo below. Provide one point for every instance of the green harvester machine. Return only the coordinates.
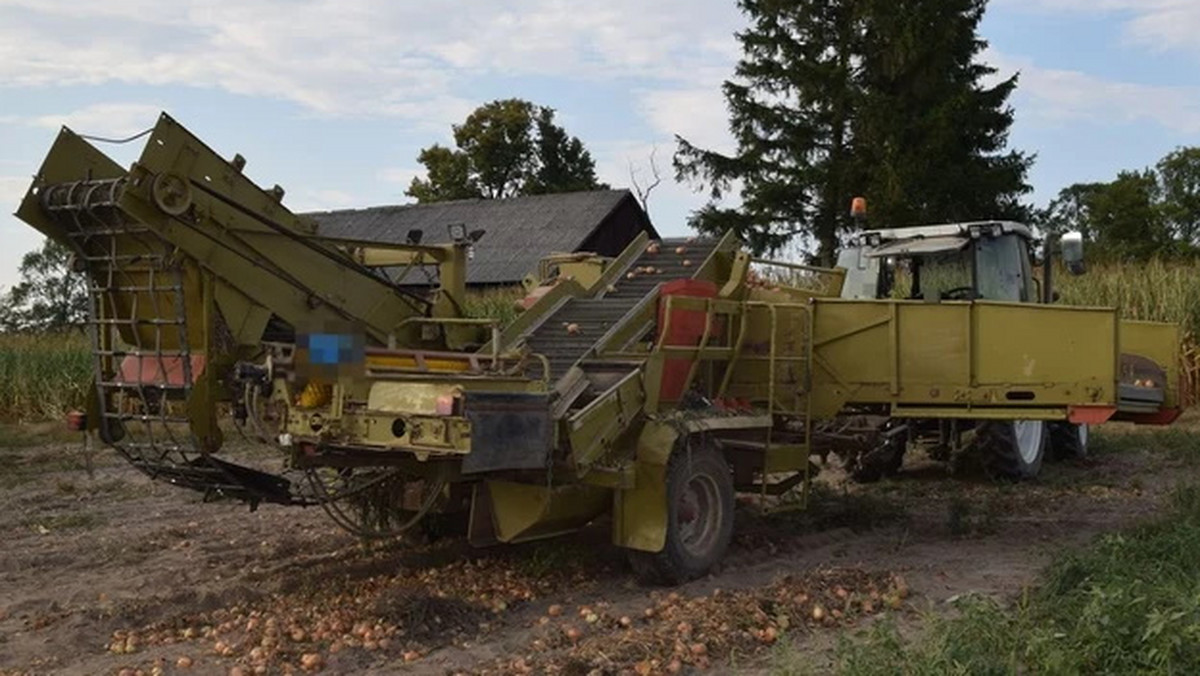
(651, 387)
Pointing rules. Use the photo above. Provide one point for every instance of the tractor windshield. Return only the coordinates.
(944, 275)
(1003, 268)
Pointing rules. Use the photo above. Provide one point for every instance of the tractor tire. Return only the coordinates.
(1012, 450)
(1068, 441)
(700, 505)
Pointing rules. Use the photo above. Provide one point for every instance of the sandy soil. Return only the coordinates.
(114, 573)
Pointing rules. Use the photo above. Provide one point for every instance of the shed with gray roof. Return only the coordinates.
(519, 231)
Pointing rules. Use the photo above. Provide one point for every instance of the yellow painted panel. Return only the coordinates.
(934, 345)
(853, 337)
(961, 354)
(1030, 344)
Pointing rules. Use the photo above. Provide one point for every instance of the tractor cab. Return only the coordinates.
(987, 260)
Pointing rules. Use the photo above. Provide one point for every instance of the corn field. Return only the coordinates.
(1151, 291)
(42, 377)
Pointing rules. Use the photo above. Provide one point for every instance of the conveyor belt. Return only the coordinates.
(595, 316)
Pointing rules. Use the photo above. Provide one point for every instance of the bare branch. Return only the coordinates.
(643, 193)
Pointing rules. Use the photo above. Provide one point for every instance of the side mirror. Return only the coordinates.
(1072, 253)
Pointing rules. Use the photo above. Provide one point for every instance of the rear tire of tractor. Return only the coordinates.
(700, 505)
(1068, 441)
(1012, 450)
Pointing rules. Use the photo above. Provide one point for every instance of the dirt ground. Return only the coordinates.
(116, 574)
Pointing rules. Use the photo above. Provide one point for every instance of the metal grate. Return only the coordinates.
(145, 369)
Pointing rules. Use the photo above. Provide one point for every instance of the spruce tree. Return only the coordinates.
(790, 108)
(838, 98)
(931, 134)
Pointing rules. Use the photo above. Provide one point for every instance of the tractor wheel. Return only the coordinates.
(1012, 450)
(700, 504)
(882, 461)
(1068, 441)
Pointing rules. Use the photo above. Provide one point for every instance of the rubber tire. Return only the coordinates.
(1068, 441)
(676, 564)
(996, 444)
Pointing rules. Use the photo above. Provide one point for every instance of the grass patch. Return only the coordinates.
(1176, 444)
(498, 303)
(1129, 603)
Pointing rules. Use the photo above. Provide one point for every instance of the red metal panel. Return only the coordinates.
(1090, 415)
(685, 328)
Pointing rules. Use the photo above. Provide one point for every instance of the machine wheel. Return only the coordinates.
(1068, 440)
(1012, 449)
(882, 461)
(700, 504)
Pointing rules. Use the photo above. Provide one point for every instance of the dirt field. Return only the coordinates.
(115, 574)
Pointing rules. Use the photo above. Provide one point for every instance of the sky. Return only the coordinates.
(333, 99)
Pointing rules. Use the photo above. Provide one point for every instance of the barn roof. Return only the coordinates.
(519, 231)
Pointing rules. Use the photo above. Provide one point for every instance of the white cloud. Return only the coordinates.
(401, 176)
(12, 189)
(17, 238)
(1158, 24)
(697, 114)
(103, 119)
(357, 57)
(1052, 96)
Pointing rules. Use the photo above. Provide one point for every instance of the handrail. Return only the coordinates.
(454, 321)
(621, 264)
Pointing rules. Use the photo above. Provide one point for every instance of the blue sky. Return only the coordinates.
(334, 98)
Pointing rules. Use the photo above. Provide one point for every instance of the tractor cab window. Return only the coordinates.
(942, 276)
(1003, 268)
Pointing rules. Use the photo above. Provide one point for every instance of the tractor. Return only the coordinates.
(961, 263)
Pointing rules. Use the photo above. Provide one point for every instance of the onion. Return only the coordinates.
(310, 661)
(184, 662)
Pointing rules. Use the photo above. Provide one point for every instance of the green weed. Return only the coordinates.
(1129, 603)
